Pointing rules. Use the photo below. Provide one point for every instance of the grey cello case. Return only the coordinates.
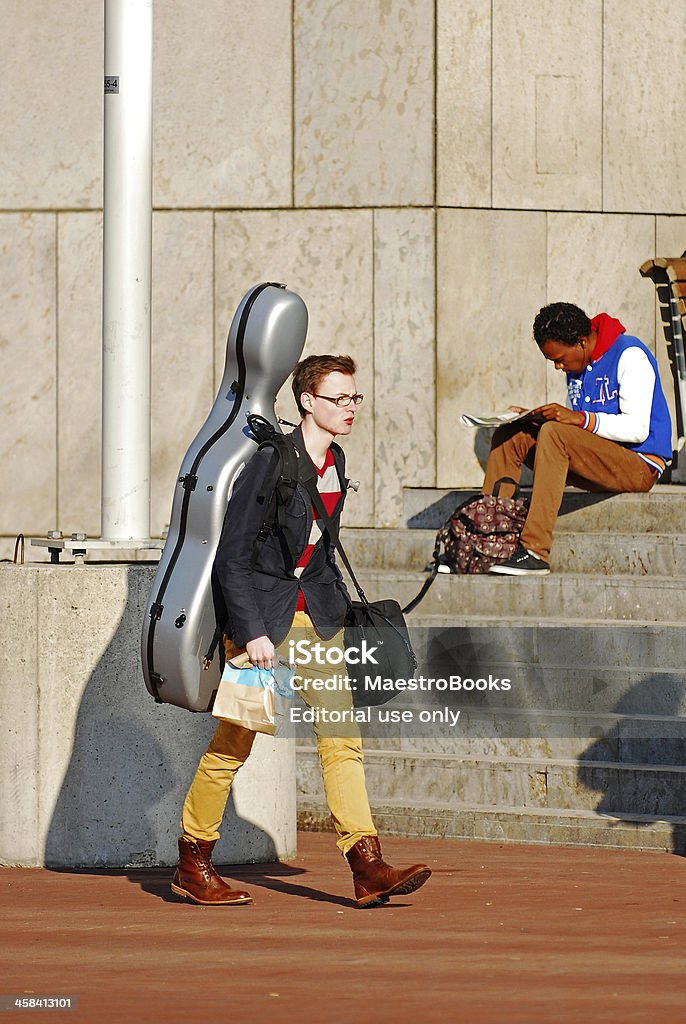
(181, 663)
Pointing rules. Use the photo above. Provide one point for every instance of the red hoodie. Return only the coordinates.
(609, 329)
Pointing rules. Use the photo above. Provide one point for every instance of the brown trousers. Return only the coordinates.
(560, 454)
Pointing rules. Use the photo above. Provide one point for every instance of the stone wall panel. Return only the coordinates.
(593, 260)
(79, 387)
(491, 282)
(326, 257)
(222, 104)
(363, 103)
(28, 344)
(182, 347)
(643, 94)
(463, 103)
(404, 357)
(547, 104)
(51, 57)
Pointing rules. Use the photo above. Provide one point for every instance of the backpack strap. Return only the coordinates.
(505, 480)
(277, 492)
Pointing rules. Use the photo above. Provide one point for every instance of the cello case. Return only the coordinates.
(185, 612)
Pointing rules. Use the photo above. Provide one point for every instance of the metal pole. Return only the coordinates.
(127, 247)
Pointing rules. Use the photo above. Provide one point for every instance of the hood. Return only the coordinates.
(609, 329)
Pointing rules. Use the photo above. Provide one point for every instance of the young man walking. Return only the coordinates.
(614, 435)
(290, 588)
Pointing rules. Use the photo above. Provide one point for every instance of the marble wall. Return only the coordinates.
(363, 102)
(426, 174)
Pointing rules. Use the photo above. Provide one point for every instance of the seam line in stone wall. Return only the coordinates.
(373, 268)
(435, 352)
(57, 372)
(558, 209)
(602, 105)
(243, 210)
(546, 264)
(54, 210)
(40, 853)
(434, 161)
(325, 208)
(213, 337)
(546, 234)
(293, 111)
(492, 103)
(657, 327)
(403, 206)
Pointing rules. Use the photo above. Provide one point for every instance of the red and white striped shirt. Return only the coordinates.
(329, 488)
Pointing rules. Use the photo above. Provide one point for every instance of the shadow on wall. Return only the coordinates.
(644, 737)
(132, 761)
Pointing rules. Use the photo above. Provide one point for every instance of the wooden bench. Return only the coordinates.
(669, 277)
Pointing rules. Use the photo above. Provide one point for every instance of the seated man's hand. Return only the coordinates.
(559, 414)
(261, 652)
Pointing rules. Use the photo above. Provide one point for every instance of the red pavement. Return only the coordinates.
(499, 935)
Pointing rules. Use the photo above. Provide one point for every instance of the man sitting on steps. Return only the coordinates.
(614, 435)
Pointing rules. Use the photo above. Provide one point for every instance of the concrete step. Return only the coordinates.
(594, 725)
(662, 510)
(619, 553)
(589, 745)
(605, 554)
(546, 737)
(630, 669)
(623, 598)
(439, 780)
(515, 825)
(508, 703)
(550, 622)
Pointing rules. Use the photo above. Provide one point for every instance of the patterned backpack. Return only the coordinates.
(480, 532)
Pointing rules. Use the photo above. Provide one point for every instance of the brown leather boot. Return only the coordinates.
(197, 879)
(375, 881)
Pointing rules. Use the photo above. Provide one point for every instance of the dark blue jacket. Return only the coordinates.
(261, 601)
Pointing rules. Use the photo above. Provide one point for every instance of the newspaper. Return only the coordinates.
(508, 416)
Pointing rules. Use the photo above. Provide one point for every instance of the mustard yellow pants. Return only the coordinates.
(340, 757)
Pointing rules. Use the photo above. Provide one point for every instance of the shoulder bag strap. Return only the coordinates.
(314, 494)
(316, 497)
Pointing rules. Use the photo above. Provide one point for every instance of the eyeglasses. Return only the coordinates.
(342, 400)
